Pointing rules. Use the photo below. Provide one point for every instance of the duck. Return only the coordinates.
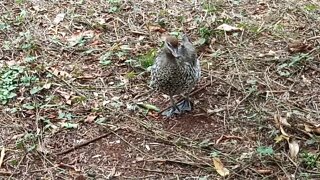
(176, 71)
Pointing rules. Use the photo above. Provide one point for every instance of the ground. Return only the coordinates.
(75, 101)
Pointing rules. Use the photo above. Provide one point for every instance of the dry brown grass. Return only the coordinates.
(269, 70)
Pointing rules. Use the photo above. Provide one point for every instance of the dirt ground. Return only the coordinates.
(77, 106)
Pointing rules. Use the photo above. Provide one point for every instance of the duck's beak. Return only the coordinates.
(175, 52)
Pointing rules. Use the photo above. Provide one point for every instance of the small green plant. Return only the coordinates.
(105, 59)
(311, 7)
(25, 41)
(252, 86)
(309, 159)
(264, 151)
(11, 78)
(63, 115)
(210, 7)
(9, 82)
(283, 69)
(147, 59)
(253, 28)
(205, 34)
(4, 26)
(48, 124)
(19, 1)
(131, 75)
(279, 28)
(21, 17)
(114, 6)
(27, 142)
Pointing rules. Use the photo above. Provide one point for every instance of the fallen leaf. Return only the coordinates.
(80, 177)
(80, 37)
(228, 28)
(283, 132)
(59, 18)
(65, 95)
(279, 121)
(269, 54)
(69, 125)
(298, 46)
(276, 120)
(59, 73)
(90, 118)
(2, 155)
(35, 90)
(42, 149)
(154, 28)
(264, 171)
(47, 86)
(306, 80)
(312, 129)
(112, 173)
(280, 138)
(293, 148)
(220, 168)
(284, 122)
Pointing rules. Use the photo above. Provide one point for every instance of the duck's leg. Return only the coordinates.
(174, 109)
(185, 104)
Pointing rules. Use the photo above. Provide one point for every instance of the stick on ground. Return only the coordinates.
(86, 142)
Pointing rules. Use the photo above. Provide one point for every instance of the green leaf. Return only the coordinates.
(61, 115)
(263, 150)
(174, 33)
(31, 148)
(206, 143)
(69, 125)
(100, 121)
(89, 51)
(104, 59)
(68, 116)
(203, 178)
(28, 106)
(131, 75)
(30, 59)
(148, 107)
(35, 90)
(105, 62)
(11, 95)
(4, 26)
(201, 41)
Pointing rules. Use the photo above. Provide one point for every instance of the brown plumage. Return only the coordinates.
(176, 71)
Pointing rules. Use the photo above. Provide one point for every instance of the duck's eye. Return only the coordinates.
(170, 45)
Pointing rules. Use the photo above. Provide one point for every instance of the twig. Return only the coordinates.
(138, 32)
(191, 94)
(7, 173)
(86, 142)
(223, 137)
(313, 38)
(2, 155)
(220, 79)
(65, 82)
(143, 94)
(128, 143)
(199, 165)
(157, 171)
(238, 104)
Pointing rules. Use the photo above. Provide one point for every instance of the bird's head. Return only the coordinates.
(172, 44)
